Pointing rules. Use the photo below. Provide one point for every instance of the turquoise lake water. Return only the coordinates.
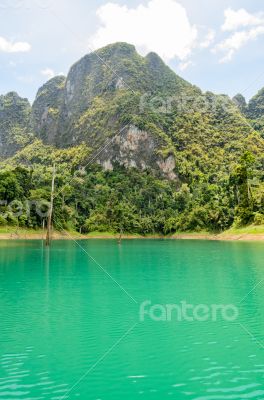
(71, 326)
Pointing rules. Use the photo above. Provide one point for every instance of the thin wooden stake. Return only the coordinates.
(49, 223)
(120, 236)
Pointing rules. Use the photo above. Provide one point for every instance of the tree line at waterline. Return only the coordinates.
(130, 200)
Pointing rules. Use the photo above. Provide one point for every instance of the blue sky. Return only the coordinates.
(216, 45)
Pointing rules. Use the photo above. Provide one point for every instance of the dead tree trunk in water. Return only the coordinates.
(120, 236)
(49, 223)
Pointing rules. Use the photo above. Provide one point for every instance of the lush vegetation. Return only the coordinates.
(217, 146)
(127, 200)
(15, 132)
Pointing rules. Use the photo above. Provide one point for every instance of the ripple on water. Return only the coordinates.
(251, 395)
(20, 383)
(60, 317)
(235, 389)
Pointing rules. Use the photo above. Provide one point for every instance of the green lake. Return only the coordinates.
(71, 326)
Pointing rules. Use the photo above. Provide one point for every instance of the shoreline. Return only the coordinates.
(231, 235)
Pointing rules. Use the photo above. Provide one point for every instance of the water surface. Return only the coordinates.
(70, 320)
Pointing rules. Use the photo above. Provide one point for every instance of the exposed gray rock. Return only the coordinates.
(134, 148)
(46, 109)
(167, 166)
(88, 106)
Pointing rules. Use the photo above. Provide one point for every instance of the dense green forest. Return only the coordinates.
(176, 159)
(127, 200)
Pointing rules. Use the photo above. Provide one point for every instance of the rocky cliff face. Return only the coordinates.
(46, 109)
(101, 96)
(134, 148)
(130, 110)
(98, 87)
(14, 124)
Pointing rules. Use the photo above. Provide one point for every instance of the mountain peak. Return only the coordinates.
(155, 60)
(14, 122)
(121, 48)
(256, 105)
(57, 82)
(13, 96)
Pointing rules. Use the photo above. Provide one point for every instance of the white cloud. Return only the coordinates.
(244, 26)
(7, 46)
(185, 64)
(236, 41)
(162, 26)
(208, 40)
(48, 73)
(241, 19)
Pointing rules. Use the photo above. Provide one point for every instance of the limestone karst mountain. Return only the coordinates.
(137, 149)
(154, 118)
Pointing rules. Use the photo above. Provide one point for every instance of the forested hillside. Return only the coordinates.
(137, 149)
